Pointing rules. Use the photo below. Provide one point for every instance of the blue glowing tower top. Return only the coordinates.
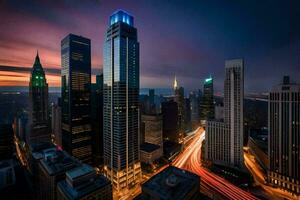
(121, 16)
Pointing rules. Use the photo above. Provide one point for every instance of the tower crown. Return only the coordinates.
(121, 16)
(37, 73)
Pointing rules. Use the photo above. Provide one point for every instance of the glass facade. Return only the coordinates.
(76, 92)
(120, 103)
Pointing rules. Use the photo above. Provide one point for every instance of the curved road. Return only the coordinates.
(190, 159)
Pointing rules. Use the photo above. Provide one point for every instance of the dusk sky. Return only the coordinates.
(191, 39)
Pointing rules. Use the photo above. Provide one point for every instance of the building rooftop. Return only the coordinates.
(172, 183)
(86, 182)
(56, 161)
(121, 16)
(148, 147)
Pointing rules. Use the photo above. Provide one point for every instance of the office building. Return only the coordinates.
(219, 112)
(97, 120)
(194, 108)
(56, 124)
(187, 116)
(284, 138)
(82, 183)
(75, 96)
(152, 147)
(234, 108)
(38, 105)
(6, 141)
(51, 169)
(169, 111)
(224, 140)
(121, 102)
(207, 103)
(172, 183)
(217, 143)
(179, 99)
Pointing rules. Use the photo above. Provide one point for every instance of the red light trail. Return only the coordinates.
(190, 160)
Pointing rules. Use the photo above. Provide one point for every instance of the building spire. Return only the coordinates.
(175, 83)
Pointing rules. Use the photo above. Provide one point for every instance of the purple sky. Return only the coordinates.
(191, 39)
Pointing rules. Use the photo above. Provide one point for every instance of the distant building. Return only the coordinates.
(169, 111)
(56, 124)
(121, 102)
(179, 99)
(207, 103)
(224, 140)
(219, 112)
(194, 108)
(75, 97)
(172, 183)
(97, 120)
(39, 129)
(52, 169)
(284, 141)
(6, 141)
(187, 115)
(82, 183)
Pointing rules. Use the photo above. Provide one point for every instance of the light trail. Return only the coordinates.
(190, 160)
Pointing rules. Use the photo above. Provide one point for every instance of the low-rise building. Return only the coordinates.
(83, 183)
(172, 183)
(52, 169)
(150, 152)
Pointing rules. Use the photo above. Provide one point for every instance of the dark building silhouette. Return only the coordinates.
(170, 120)
(75, 96)
(6, 141)
(207, 104)
(97, 120)
(187, 114)
(39, 130)
(121, 102)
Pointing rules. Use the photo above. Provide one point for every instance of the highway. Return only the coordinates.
(190, 159)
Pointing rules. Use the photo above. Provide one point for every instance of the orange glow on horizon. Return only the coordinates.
(22, 79)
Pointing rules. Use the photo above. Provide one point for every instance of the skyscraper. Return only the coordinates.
(169, 111)
(207, 103)
(234, 108)
(194, 109)
(284, 138)
(121, 102)
(75, 96)
(224, 140)
(38, 105)
(97, 119)
(179, 99)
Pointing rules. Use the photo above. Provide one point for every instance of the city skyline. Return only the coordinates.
(210, 43)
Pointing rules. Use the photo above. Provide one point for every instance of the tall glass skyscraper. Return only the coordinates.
(121, 102)
(38, 105)
(207, 104)
(75, 96)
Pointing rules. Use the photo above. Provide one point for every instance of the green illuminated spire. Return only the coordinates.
(208, 80)
(37, 74)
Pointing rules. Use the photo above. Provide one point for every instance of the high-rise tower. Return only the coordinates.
(224, 140)
(207, 103)
(234, 108)
(75, 96)
(121, 102)
(38, 105)
(284, 137)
